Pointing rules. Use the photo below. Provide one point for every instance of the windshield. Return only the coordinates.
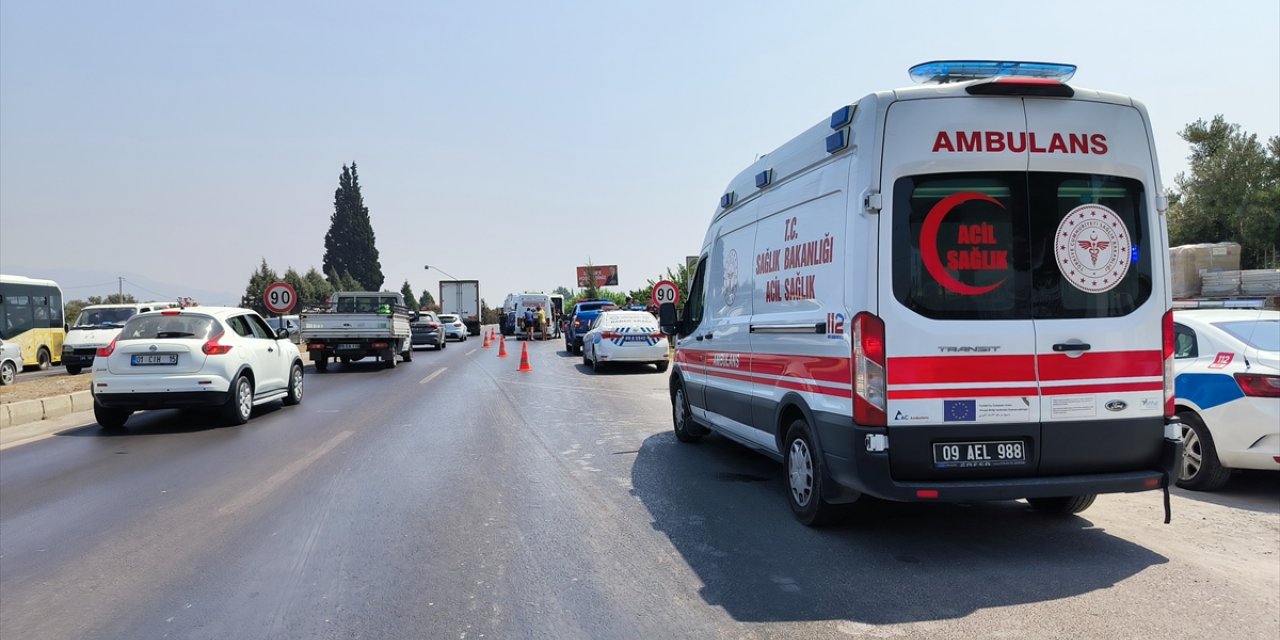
(110, 317)
(154, 327)
(1263, 335)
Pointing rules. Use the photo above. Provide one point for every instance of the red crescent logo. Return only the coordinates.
(929, 243)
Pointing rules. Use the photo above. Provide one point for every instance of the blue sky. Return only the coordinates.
(181, 143)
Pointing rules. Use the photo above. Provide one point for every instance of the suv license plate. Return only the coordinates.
(149, 359)
(961, 455)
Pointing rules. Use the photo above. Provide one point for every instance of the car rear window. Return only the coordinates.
(1259, 334)
(157, 327)
(1014, 245)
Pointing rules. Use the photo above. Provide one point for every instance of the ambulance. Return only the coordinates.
(955, 291)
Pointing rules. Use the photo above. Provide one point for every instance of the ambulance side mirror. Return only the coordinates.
(667, 319)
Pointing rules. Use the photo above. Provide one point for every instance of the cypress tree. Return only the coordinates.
(349, 245)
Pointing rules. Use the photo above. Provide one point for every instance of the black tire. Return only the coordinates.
(577, 348)
(1062, 505)
(43, 361)
(586, 362)
(8, 372)
(682, 418)
(110, 418)
(73, 370)
(239, 401)
(806, 474)
(442, 345)
(1199, 469)
(389, 359)
(662, 366)
(294, 395)
(407, 355)
(596, 365)
(322, 364)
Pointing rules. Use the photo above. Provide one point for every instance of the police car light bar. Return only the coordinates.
(944, 71)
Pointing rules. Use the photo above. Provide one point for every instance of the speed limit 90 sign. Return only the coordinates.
(279, 297)
(664, 292)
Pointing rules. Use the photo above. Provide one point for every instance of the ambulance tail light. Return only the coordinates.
(870, 392)
(1166, 331)
(1015, 86)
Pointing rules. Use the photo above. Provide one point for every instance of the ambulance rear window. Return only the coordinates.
(1011, 245)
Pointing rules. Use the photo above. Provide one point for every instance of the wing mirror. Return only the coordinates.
(667, 318)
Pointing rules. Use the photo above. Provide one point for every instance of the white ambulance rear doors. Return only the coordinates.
(1016, 293)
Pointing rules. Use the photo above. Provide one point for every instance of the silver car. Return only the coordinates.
(10, 361)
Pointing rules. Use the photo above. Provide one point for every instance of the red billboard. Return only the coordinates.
(606, 275)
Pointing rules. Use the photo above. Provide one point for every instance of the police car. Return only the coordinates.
(1227, 365)
(625, 336)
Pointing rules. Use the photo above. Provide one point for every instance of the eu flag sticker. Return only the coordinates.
(959, 410)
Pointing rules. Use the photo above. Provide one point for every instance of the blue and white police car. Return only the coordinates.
(1227, 368)
(625, 336)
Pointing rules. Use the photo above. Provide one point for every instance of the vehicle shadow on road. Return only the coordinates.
(168, 422)
(1251, 490)
(723, 508)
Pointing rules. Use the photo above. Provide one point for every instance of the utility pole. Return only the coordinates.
(120, 293)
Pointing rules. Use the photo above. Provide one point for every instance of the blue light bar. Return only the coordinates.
(837, 141)
(842, 116)
(726, 200)
(944, 71)
(764, 178)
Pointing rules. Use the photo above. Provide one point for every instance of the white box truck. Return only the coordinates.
(462, 297)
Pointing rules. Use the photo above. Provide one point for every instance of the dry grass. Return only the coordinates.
(45, 387)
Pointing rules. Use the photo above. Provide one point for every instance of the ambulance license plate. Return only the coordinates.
(961, 455)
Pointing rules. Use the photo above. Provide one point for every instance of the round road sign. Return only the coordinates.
(279, 297)
(664, 292)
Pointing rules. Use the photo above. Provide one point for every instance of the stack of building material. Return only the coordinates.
(1260, 282)
(1220, 284)
(1189, 262)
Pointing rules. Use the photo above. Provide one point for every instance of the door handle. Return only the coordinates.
(1071, 346)
(710, 335)
(272, 349)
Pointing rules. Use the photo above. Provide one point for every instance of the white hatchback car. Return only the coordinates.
(454, 328)
(1227, 384)
(625, 336)
(195, 357)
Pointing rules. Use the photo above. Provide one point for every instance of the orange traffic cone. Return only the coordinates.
(524, 358)
(502, 347)
(486, 340)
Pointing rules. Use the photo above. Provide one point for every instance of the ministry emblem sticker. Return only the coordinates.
(1092, 248)
(730, 277)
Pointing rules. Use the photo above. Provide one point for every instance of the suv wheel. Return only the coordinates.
(110, 418)
(8, 372)
(295, 385)
(240, 401)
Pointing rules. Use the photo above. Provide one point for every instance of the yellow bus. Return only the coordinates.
(31, 315)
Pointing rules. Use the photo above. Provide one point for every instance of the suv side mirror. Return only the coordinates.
(667, 318)
(282, 333)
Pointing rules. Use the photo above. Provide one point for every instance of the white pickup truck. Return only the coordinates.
(359, 324)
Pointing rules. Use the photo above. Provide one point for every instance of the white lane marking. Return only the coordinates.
(282, 476)
(433, 376)
(472, 351)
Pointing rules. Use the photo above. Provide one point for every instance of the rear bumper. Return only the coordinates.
(175, 400)
(77, 360)
(853, 470)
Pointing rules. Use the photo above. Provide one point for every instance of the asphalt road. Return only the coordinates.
(454, 497)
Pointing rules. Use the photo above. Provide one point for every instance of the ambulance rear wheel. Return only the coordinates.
(806, 474)
(682, 418)
(1062, 505)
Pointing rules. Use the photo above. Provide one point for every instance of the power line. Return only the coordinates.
(162, 295)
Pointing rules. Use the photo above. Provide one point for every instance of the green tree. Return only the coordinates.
(344, 282)
(318, 290)
(258, 282)
(349, 245)
(563, 291)
(407, 292)
(427, 300)
(1231, 194)
(299, 285)
(591, 290)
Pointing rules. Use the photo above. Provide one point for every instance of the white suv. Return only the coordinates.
(195, 357)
